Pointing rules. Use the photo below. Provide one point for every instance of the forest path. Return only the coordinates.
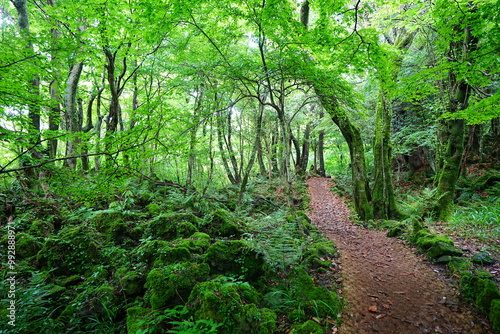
(386, 287)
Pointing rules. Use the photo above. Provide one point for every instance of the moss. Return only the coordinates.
(495, 315)
(231, 304)
(457, 265)
(235, 258)
(315, 255)
(425, 239)
(131, 282)
(148, 252)
(73, 251)
(317, 301)
(483, 258)
(297, 315)
(480, 291)
(197, 243)
(172, 226)
(41, 228)
(72, 280)
(153, 209)
(169, 283)
(170, 255)
(440, 249)
(137, 320)
(396, 230)
(222, 223)
(26, 245)
(309, 327)
(103, 219)
(252, 319)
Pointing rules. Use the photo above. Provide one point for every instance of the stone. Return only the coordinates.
(483, 258)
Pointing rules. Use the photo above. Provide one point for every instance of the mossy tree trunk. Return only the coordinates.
(452, 132)
(383, 199)
(384, 202)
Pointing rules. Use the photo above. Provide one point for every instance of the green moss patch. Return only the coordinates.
(233, 305)
(167, 285)
(236, 258)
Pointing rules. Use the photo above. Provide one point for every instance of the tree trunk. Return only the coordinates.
(72, 114)
(352, 135)
(320, 165)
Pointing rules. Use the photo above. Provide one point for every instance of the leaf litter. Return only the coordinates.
(386, 287)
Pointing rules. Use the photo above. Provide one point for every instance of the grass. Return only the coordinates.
(479, 220)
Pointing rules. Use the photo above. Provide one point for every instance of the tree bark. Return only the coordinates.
(73, 116)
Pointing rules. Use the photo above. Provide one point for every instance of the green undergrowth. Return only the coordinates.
(141, 257)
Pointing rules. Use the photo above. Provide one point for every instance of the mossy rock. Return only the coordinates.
(222, 223)
(495, 315)
(309, 327)
(397, 229)
(316, 254)
(439, 249)
(120, 231)
(26, 246)
(149, 251)
(444, 259)
(458, 265)
(154, 209)
(74, 250)
(131, 282)
(197, 243)
(231, 304)
(234, 257)
(171, 255)
(173, 283)
(315, 300)
(172, 226)
(483, 258)
(256, 320)
(480, 291)
(425, 239)
(41, 228)
(103, 219)
(140, 319)
(72, 280)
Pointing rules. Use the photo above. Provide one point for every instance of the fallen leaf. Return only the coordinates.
(380, 316)
(386, 306)
(373, 308)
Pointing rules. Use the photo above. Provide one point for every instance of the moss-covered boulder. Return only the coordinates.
(172, 226)
(41, 228)
(317, 254)
(234, 257)
(140, 320)
(74, 250)
(314, 299)
(309, 327)
(197, 243)
(440, 249)
(222, 223)
(396, 229)
(481, 291)
(130, 282)
(101, 220)
(483, 258)
(173, 283)
(170, 255)
(458, 265)
(425, 239)
(233, 305)
(149, 251)
(26, 246)
(154, 209)
(495, 315)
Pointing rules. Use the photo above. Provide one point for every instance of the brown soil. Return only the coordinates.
(386, 287)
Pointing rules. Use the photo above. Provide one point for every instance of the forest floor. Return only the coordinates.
(387, 288)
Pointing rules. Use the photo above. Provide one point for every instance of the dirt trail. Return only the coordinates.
(386, 287)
